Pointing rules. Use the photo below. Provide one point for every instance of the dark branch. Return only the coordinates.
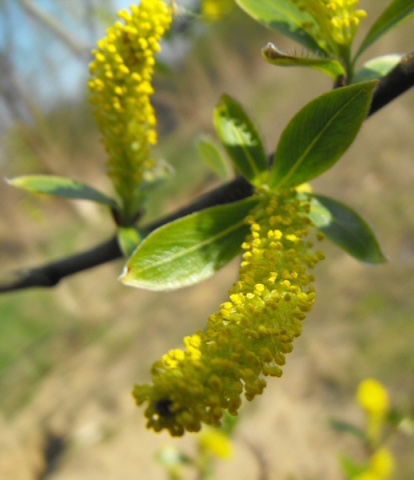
(50, 274)
(398, 81)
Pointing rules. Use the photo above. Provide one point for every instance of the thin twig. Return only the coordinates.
(398, 81)
(70, 40)
(50, 274)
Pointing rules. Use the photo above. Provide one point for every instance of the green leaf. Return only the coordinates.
(128, 238)
(345, 427)
(397, 12)
(376, 68)
(351, 468)
(60, 187)
(319, 134)
(344, 227)
(189, 250)
(330, 67)
(283, 16)
(241, 140)
(211, 155)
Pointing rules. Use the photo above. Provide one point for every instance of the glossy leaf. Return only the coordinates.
(376, 68)
(397, 12)
(60, 187)
(283, 16)
(241, 140)
(319, 134)
(330, 67)
(345, 228)
(189, 250)
(211, 156)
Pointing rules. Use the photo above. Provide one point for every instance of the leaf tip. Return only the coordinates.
(14, 182)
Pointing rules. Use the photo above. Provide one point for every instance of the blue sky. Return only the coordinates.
(46, 68)
(45, 65)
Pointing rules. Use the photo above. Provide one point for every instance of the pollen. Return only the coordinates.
(250, 335)
(335, 22)
(120, 90)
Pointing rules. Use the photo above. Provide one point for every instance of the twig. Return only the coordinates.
(398, 81)
(80, 49)
(50, 274)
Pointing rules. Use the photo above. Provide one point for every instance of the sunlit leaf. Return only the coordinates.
(319, 134)
(275, 56)
(345, 228)
(283, 16)
(241, 140)
(396, 13)
(189, 250)
(211, 155)
(376, 68)
(60, 187)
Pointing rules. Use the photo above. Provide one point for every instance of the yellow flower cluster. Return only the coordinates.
(373, 398)
(251, 333)
(337, 22)
(215, 443)
(381, 466)
(120, 86)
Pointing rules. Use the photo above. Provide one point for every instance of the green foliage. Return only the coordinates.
(283, 16)
(350, 467)
(60, 187)
(312, 142)
(329, 66)
(319, 134)
(377, 68)
(329, 41)
(241, 140)
(128, 239)
(346, 427)
(397, 12)
(211, 155)
(345, 228)
(189, 250)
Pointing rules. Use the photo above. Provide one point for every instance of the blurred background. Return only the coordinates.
(70, 355)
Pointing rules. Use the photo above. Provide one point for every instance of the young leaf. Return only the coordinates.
(283, 16)
(211, 155)
(319, 134)
(325, 65)
(346, 229)
(189, 250)
(397, 12)
(241, 140)
(60, 187)
(128, 239)
(376, 68)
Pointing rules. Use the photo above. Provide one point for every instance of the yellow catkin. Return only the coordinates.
(334, 22)
(250, 334)
(120, 90)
